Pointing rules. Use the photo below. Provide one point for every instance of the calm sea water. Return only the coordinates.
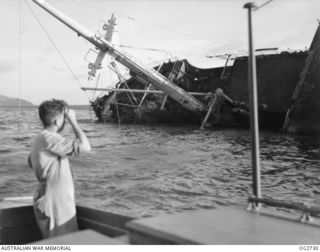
(141, 170)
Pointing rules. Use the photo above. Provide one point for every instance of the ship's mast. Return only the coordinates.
(108, 32)
(148, 74)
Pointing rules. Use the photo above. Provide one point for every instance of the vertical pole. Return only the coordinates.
(225, 66)
(20, 63)
(254, 126)
(213, 102)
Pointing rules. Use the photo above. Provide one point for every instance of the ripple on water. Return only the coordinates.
(3, 151)
(143, 170)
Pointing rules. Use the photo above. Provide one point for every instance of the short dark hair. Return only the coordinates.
(49, 109)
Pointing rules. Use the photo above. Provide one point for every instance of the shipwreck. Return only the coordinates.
(176, 92)
(288, 93)
(261, 222)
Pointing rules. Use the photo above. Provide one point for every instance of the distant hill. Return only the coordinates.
(13, 102)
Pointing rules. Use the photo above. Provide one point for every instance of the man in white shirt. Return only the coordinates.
(54, 203)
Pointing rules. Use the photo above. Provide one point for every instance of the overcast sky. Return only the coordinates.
(187, 29)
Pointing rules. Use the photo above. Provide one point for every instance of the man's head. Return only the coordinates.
(52, 113)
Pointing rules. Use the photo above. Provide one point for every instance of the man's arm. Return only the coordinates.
(84, 145)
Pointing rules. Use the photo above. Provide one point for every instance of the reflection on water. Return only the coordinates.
(143, 170)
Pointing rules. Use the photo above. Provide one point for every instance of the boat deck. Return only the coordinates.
(15, 202)
(83, 237)
(221, 226)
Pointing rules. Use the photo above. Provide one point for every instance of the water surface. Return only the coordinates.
(141, 170)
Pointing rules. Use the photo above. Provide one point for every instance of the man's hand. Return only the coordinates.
(70, 115)
(84, 142)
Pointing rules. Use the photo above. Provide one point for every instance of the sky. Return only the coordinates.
(31, 68)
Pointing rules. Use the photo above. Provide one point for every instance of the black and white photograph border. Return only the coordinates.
(160, 122)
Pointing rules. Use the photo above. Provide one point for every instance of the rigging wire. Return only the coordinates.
(169, 52)
(164, 28)
(19, 64)
(262, 5)
(118, 115)
(55, 46)
(97, 82)
(143, 48)
(142, 21)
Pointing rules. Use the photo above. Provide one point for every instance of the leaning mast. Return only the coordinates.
(148, 74)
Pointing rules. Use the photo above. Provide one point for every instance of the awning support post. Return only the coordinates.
(254, 125)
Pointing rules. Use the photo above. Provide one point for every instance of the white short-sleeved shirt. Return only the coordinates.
(54, 202)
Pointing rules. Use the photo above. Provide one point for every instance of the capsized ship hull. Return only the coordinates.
(278, 75)
(303, 116)
(288, 88)
(288, 93)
